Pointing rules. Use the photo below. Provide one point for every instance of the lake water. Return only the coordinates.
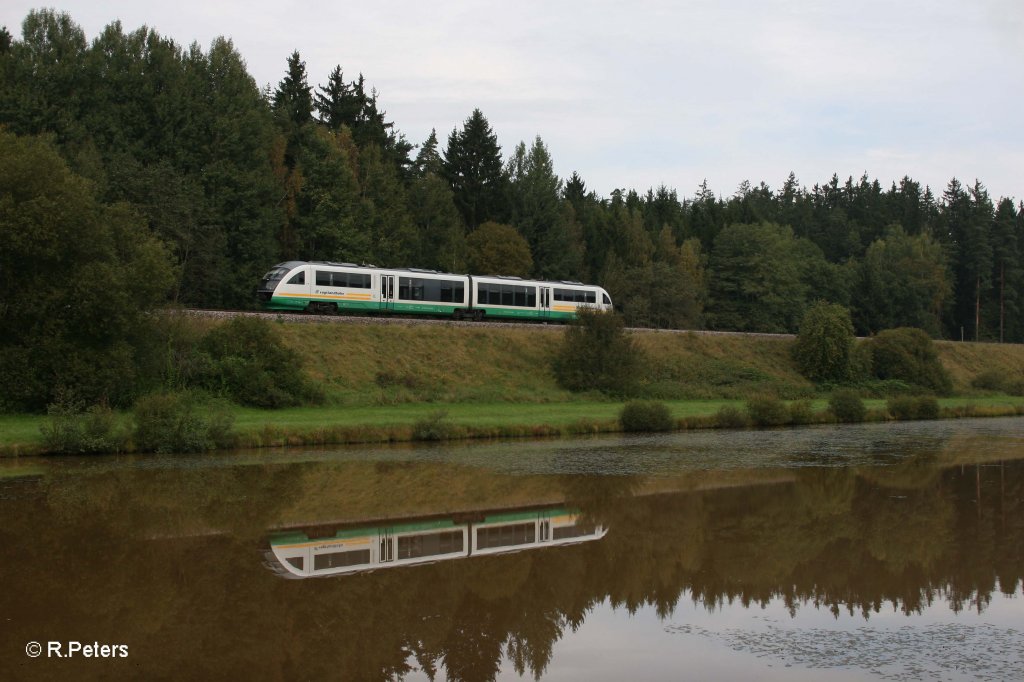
(886, 551)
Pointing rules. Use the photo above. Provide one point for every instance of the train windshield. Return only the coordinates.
(275, 274)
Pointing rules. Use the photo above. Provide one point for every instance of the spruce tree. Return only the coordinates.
(472, 165)
(336, 103)
(1007, 274)
(293, 98)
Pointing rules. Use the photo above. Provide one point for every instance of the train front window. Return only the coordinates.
(275, 274)
(607, 301)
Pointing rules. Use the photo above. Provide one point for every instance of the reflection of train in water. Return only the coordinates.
(296, 555)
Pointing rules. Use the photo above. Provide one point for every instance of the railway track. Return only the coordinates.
(305, 318)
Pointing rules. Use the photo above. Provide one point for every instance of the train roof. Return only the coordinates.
(296, 263)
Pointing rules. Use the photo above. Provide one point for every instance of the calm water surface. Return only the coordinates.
(891, 552)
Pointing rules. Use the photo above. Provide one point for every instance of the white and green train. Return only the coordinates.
(324, 287)
(297, 555)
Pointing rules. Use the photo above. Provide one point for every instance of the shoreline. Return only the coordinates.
(431, 422)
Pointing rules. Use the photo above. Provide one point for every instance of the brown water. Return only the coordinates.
(867, 552)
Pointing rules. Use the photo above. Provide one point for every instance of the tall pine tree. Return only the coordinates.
(472, 166)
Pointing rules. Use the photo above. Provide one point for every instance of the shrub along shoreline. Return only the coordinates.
(315, 426)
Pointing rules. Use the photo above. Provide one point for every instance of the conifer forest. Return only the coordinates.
(207, 180)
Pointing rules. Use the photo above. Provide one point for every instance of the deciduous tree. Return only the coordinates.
(497, 249)
(78, 278)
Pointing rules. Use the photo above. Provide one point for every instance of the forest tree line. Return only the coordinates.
(231, 178)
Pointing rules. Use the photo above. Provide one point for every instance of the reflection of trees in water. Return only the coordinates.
(832, 538)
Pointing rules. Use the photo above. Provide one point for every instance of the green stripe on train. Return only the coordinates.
(283, 303)
(527, 515)
(297, 537)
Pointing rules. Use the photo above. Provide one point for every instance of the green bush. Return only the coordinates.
(913, 407)
(434, 426)
(989, 380)
(927, 407)
(824, 343)
(767, 411)
(249, 363)
(596, 354)
(180, 422)
(909, 355)
(731, 417)
(645, 415)
(902, 407)
(801, 412)
(994, 380)
(846, 406)
(69, 430)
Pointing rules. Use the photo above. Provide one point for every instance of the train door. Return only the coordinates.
(545, 302)
(387, 292)
(387, 547)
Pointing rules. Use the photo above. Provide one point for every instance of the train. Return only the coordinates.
(296, 555)
(328, 287)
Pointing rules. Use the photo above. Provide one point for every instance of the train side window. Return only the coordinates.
(531, 297)
(434, 544)
(591, 297)
(520, 296)
(410, 289)
(506, 536)
(323, 562)
(297, 562)
(298, 278)
(607, 301)
(323, 278)
(359, 281)
(567, 295)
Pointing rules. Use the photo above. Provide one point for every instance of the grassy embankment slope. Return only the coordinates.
(382, 380)
(496, 381)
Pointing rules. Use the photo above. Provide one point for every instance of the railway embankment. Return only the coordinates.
(408, 381)
(410, 363)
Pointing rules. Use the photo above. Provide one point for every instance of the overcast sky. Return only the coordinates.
(645, 93)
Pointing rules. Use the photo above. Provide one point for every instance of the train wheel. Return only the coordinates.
(478, 315)
(457, 315)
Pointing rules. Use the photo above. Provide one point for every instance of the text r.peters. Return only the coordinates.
(94, 650)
